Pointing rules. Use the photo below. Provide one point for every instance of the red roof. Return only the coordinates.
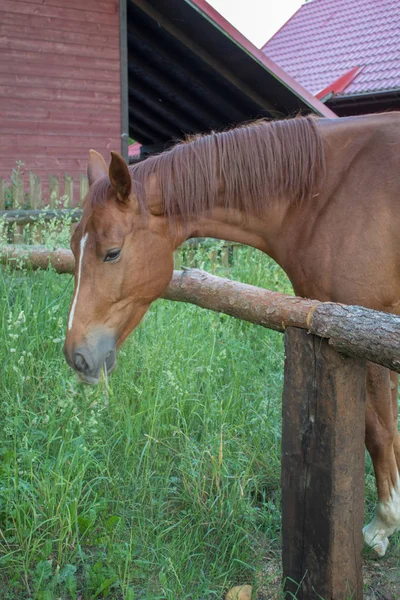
(134, 149)
(326, 39)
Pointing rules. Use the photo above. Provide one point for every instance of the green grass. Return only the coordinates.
(166, 485)
(169, 490)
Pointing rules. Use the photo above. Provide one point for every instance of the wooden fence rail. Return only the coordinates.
(377, 335)
(323, 415)
(25, 217)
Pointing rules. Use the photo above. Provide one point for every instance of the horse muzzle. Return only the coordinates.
(91, 356)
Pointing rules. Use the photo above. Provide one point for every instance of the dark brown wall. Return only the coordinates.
(60, 83)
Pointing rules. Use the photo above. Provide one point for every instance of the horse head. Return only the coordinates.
(123, 261)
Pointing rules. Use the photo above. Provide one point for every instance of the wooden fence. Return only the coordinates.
(22, 193)
(20, 209)
(326, 348)
(22, 206)
(25, 208)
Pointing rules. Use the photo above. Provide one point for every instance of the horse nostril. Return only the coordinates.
(80, 363)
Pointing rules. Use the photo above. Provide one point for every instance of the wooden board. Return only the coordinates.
(322, 470)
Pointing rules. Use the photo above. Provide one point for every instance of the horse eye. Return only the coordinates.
(112, 255)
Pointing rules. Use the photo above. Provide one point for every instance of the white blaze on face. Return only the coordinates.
(73, 307)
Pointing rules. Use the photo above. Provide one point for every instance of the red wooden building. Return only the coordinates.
(85, 74)
(60, 75)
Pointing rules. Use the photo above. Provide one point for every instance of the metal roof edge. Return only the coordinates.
(239, 39)
(366, 95)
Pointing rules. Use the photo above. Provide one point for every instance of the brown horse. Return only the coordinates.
(319, 196)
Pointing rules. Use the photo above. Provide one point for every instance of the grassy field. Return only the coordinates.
(164, 485)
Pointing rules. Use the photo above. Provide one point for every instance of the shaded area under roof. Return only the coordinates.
(190, 71)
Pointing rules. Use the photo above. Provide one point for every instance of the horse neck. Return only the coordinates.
(264, 232)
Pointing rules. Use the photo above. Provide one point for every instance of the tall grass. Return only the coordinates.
(164, 485)
(169, 490)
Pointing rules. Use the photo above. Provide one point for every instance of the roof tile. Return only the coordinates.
(327, 38)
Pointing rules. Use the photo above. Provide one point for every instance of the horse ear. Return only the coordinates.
(96, 167)
(120, 177)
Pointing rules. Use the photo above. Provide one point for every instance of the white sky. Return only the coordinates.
(258, 20)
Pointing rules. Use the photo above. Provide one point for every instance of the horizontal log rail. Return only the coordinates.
(352, 330)
(24, 217)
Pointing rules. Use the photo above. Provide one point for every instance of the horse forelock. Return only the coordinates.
(252, 164)
(99, 192)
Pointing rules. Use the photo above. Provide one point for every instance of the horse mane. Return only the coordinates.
(248, 165)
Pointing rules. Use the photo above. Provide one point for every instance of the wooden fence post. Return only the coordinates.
(54, 190)
(2, 195)
(225, 256)
(69, 189)
(18, 200)
(322, 470)
(18, 190)
(83, 186)
(35, 190)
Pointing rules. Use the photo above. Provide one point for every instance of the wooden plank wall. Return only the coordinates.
(60, 93)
